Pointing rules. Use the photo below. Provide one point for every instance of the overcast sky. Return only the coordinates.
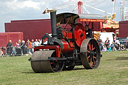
(32, 9)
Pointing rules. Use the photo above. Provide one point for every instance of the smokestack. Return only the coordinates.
(53, 23)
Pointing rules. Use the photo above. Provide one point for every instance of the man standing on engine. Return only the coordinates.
(88, 32)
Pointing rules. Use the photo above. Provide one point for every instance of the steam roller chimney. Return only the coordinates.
(53, 23)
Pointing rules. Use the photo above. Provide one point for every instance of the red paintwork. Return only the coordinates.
(46, 39)
(14, 36)
(67, 47)
(64, 33)
(32, 29)
(79, 29)
(123, 29)
(69, 35)
(56, 48)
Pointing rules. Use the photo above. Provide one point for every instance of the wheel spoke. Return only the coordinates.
(90, 60)
(94, 62)
(91, 63)
(93, 48)
(94, 59)
(88, 56)
(51, 63)
(88, 51)
(89, 45)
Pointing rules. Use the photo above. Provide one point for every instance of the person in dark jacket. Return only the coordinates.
(23, 47)
(100, 43)
(88, 32)
(9, 47)
(107, 42)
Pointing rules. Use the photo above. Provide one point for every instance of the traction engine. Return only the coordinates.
(65, 48)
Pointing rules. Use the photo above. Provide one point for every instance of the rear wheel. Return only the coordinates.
(90, 53)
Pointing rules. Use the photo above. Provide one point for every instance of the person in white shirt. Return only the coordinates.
(36, 43)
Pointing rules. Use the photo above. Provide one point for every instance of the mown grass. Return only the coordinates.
(113, 70)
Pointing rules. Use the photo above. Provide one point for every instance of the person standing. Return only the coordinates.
(23, 47)
(20, 43)
(13, 51)
(29, 47)
(100, 43)
(32, 45)
(88, 32)
(39, 41)
(36, 43)
(17, 45)
(1, 53)
(107, 42)
(9, 47)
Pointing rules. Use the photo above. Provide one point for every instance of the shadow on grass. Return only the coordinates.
(122, 58)
(118, 58)
(75, 69)
(30, 72)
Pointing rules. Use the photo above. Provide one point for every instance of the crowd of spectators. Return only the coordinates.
(114, 46)
(20, 47)
(24, 48)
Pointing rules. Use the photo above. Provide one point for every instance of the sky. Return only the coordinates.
(33, 9)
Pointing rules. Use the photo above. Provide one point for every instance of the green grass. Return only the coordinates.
(113, 70)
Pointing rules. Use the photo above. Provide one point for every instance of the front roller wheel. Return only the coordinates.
(40, 62)
(90, 53)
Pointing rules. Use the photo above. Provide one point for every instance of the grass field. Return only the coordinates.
(113, 70)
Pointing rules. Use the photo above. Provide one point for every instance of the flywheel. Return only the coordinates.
(41, 63)
(78, 34)
(90, 53)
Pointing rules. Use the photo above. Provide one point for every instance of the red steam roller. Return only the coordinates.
(68, 45)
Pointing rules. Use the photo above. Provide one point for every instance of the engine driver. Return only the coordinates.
(88, 32)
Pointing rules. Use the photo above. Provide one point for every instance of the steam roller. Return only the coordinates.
(67, 47)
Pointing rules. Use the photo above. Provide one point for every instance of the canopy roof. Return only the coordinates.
(82, 17)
